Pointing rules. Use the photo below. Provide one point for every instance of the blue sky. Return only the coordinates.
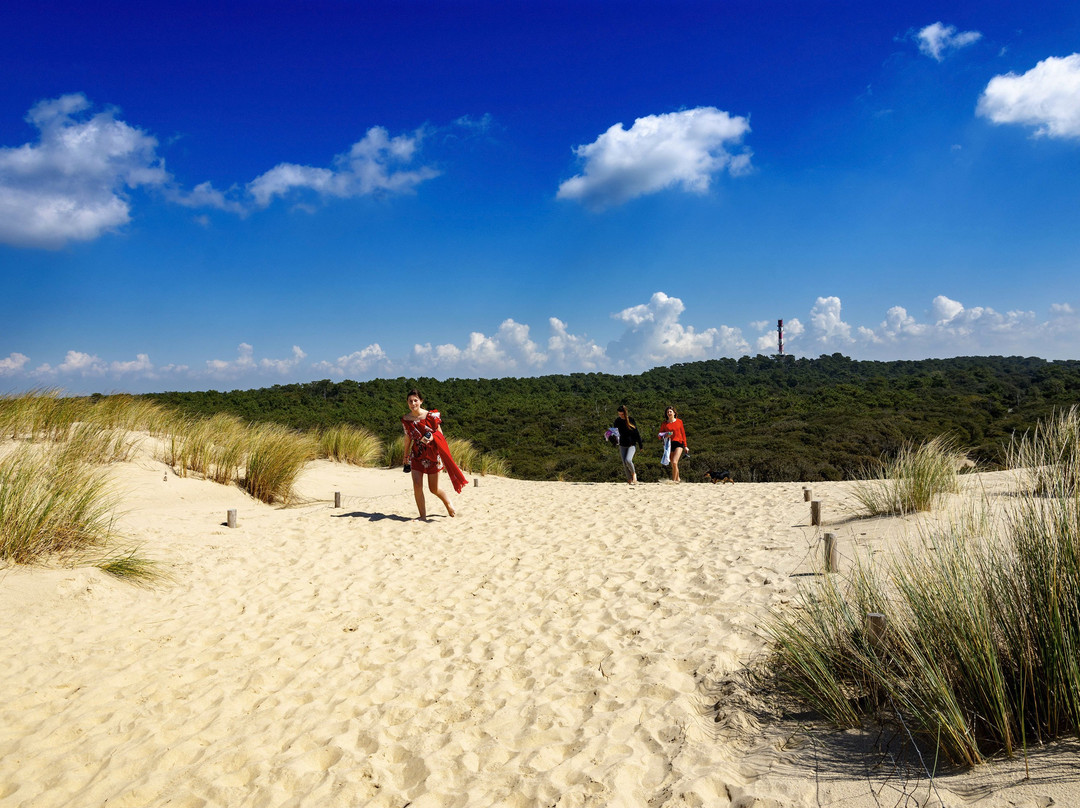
(219, 196)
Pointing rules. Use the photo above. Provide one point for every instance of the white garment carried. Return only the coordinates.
(666, 459)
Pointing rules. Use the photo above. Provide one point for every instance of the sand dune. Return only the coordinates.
(556, 644)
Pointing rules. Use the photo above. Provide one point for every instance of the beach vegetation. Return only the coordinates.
(979, 654)
(275, 457)
(350, 444)
(51, 506)
(915, 479)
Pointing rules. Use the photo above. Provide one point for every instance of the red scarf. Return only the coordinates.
(456, 475)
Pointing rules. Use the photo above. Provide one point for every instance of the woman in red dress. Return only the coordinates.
(425, 451)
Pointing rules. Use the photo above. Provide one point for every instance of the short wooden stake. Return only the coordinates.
(337, 499)
(815, 512)
(230, 517)
(475, 482)
(807, 494)
(832, 555)
(875, 629)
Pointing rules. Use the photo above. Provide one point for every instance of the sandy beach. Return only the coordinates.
(556, 644)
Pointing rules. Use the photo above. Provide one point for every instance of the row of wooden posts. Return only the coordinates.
(230, 515)
(875, 622)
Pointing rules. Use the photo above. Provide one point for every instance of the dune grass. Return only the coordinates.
(349, 444)
(276, 456)
(982, 650)
(50, 506)
(916, 479)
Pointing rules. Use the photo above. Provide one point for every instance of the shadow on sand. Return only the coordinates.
(372, 517)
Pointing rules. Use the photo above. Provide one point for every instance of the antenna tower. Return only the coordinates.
(780, 335)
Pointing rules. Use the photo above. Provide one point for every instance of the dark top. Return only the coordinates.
(628, 433)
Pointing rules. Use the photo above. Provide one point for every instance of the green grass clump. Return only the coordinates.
(275, 458)
(915, 480)
(395, 452)
(982, 650)
(1049, 455)
(130, 566)
(50, 506)
(350, 444)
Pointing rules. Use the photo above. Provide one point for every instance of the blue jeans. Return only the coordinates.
(627, 454)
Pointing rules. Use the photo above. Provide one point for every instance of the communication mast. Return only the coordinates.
(780, 335)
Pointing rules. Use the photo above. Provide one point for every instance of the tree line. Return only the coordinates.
(764, 418)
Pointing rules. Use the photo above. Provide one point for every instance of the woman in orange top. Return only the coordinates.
(674, 425)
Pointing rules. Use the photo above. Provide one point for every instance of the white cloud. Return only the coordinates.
(245, 364)
(677, 149)
(284, 366)
(1047, 97)
(572, 353)
(358, 363)
(937, 39)
(141, 365)
(14, 363)
(829, 327)
(508, 352)
(654, 336)
(244, 361)
(71, 184)
(372, 165)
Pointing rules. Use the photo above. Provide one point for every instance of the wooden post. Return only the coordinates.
(875, 629)
(815, 512)
(807, 494)
(230, 517)
(475, 482)
(832, 554)
(337, 499)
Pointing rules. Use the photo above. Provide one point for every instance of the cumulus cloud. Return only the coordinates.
(510, 351)
(937, 40)
(72, 183)
(677, 149)
(14, 363)
(572, 352)
(828, 326)
(358, 363)
(140, 365)
(375, 164)
(245, 363)
(1046, 97)
(654, 336)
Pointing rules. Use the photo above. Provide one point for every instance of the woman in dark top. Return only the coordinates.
(629, 441)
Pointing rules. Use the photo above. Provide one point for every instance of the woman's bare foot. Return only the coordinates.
(450, 510)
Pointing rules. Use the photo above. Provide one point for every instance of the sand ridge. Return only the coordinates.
(555, 644)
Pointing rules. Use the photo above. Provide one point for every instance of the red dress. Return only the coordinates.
(424, 455)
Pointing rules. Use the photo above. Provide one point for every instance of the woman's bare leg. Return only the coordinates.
(433, 486)
(676, 453)
(418, 492)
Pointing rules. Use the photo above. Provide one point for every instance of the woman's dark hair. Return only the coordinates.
(413, 392)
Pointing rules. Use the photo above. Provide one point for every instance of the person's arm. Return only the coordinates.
(406, 446)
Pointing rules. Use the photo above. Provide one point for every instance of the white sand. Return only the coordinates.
(554, 645)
